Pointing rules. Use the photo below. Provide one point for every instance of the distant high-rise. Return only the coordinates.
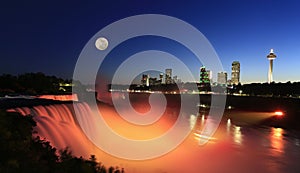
(209, 73)
(235, 72)
(175, 79)
(154, 81)
(161, 76)
(204, 76)
(168, 77)
(271, 57)
(222, 78)
(145, 80)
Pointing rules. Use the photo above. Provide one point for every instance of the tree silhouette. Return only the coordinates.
(20, 152)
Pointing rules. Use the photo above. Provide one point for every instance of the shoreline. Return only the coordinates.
(242, 107)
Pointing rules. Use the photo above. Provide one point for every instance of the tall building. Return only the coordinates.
(153, 81)
(145, 80)
(161, 76)
(204, 76)
(209, 73)
(271, 57)
(222, 78)
(235, 72)
(168, 77)
(175, 79)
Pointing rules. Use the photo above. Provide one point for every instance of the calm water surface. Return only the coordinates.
(251, 149)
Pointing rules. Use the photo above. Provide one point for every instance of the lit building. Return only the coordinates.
(235, 72)
(204, 76)
(161, 76)
(229, 82)
(271, 57)
(209, 73)
(222, 78)
(154, 81)
(168, 77)
(145, 80)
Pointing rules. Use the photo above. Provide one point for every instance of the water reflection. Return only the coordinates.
(228, 127)
(202, 120)
(200, 135)
(297, 143)
(266, 149)
(193, 120)
(237, 135)
(277, 141)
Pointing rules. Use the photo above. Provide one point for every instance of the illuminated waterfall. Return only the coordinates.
(58, 125)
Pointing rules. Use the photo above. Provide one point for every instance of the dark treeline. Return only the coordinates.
(20, 152)
(287, 89)
(39, 83)
(31, 84)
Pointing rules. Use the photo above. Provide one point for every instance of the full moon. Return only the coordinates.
(101, 43)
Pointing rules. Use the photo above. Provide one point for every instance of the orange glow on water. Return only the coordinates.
(132, 131)
(277, 141)
(228, 150)
(66, 97)
(276, 150)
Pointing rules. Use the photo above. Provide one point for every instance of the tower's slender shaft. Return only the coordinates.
(270, 78)
(271, 57)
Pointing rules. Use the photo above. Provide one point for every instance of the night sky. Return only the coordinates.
(48, 36)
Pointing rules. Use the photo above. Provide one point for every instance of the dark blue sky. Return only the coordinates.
(48, 36)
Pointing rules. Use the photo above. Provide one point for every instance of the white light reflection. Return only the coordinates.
(228, 125)
(199, 137)
(204, 135)
(193, 120)
(202, 120)
(297, 143)
(237, 135)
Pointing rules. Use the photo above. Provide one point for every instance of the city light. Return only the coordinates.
(278, 113)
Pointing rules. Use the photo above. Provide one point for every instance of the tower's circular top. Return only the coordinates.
(271, 55)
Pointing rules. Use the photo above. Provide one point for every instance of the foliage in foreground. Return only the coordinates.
(20, 152)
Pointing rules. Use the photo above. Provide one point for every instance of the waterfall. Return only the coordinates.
(83, 132)
(65, 97)
(57, 124)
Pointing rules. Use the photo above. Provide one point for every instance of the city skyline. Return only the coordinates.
(205, 76)
(48, 38)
